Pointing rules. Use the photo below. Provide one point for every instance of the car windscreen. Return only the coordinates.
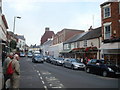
(73, 60)
(60, 59)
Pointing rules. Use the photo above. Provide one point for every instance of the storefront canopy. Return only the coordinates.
(65, 51)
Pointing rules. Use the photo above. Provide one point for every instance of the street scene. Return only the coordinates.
(59, 44)
(47, 75)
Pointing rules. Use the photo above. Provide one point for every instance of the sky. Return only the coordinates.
(36, 15)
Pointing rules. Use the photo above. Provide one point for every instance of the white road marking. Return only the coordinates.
(45, 87)
(43, 82)
(39, 74)
(37, 71)
(41, 78)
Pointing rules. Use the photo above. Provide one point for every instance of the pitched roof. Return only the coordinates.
(20, 37)
(75, 37)
(86, 35)
(95, 33)
(47, 42)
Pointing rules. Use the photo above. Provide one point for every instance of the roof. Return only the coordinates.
(72, 29)
(95, 33)
(20, 37)
(48, 42)
(75, 37)
(4, 20)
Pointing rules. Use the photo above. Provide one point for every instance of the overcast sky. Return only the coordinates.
(55, 14)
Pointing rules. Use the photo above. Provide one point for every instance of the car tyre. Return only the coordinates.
(88, 70)
(64, 65)
(104, 73)
(72, 67)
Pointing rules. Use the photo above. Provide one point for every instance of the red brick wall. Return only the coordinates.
(70, 33)
(115, 17)
(63, 35)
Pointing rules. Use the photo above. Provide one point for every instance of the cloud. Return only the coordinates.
(84, 21)
(21, 5)
(55, 0)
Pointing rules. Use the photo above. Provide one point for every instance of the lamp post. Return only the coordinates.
(14, 22)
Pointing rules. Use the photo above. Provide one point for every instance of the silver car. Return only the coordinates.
(73, 64)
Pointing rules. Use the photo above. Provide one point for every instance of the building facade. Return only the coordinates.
(47, 35)
(84, 45)
(21, 42)
(110, 14)
(60, 38)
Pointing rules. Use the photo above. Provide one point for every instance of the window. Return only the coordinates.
(106, 11)
(85, 43)
(119, 7)
(107, 32)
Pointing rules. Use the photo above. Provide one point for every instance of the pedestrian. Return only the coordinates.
(15, 78)
(5, 65)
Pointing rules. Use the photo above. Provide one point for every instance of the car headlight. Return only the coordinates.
(110, 69)
(76, 65)
(59, 61)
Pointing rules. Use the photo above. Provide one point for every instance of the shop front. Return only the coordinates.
(111, 52)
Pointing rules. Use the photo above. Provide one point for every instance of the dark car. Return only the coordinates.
(37, 58)
(101, 67)
(49, 59)
(73, 64)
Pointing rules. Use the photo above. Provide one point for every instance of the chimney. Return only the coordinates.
(47, 29)
(90, 28)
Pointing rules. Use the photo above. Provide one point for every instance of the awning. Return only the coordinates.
(66, 51)
(91, 49)
(78, 49)
(111, 51)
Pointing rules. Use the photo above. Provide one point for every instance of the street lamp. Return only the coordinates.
(14, 22)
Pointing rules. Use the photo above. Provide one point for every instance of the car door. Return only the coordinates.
(93, 65)
(68, 63)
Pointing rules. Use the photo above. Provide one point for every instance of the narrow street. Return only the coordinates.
(38, 75)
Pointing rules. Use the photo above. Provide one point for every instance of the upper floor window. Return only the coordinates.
(119, 7)
(107, 12)
(85, 43)
(107, 32)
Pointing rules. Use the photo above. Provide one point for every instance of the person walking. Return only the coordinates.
(5, 65)
(15, 78)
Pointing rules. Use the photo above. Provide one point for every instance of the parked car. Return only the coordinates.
(45, 58)
(37, 58)
(49, 59)
(101, 67)
(29, 54)
(73, 64)
(53, 60)
(22, 54)
(59, 61)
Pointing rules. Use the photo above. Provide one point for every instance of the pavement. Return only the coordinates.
(1, 75)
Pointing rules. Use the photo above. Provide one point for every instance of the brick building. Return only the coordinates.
(65, 34)
(110, 16)
(58, 40)
(48, 34)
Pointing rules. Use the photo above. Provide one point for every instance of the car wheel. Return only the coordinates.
(72, 67)
(88, 70)
(64, 65)
(104, 73)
